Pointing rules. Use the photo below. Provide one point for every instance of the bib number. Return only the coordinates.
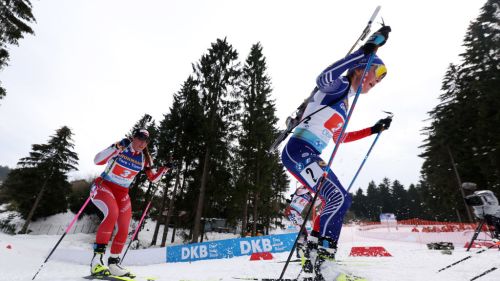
(123, 172)
(312, 173)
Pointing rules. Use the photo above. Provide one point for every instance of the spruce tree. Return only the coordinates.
(15, 15)
(415, 205)
(39, 186)
(257, 134)
(217, 74)
(465, 125)
(279, 187)
(180, 138)
(359, 205)
(384, 196)
(373, 204)
(399, 201)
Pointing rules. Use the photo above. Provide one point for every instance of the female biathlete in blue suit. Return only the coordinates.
(301, 155)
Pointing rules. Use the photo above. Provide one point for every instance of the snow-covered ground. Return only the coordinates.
(409, 261)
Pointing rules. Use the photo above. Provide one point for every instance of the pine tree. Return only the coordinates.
(373, 204)
(466, 124)
(14, 18)
(258, 133)
(399, 200)
(359, 205)
(180, 138)
(218, 76)
(279, 186)
(42, 175)
(480, 73)
(384, 196)
(415, 205)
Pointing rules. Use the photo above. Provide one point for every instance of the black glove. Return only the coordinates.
(170, 162)
(122, 144)
(382, 124)
(376, 40)
(170, 165)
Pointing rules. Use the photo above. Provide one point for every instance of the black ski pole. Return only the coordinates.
(143, 213)
(484, 273)
(302, 227)
(467, 257)
(139, 225)
(62, 237)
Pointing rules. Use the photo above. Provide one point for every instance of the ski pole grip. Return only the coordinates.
(368, 26)
(374, 15)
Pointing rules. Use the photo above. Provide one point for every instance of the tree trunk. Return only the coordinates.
(201, 198)
(173, 230)
(244, 221)
(170, 210)
(459, 181)
(255, 203)
(203, 221)
(35, 205)
(256, 200)
(176, 222)
(160, 215)
(268, 224)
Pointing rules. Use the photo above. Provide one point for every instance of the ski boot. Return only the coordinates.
(301, 245)
(327, 249)
(97, 267)
(306, 260)
(307, 253)
(116, 269)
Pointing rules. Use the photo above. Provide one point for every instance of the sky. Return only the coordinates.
(98, 66)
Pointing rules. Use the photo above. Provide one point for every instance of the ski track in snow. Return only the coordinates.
(409, 261)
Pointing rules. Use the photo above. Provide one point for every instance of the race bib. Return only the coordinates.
(298, 203)
(123, 172)
(312, 173)
(335, 123)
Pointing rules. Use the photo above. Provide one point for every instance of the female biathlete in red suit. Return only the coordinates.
(124, 159)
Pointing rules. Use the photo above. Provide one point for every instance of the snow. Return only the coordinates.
(55, 224)
(409, 261)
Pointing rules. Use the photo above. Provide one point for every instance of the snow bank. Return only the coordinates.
(409, 262)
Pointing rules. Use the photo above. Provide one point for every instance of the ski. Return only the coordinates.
(118, 278)
(295, 260)
(220, 279)
(341, 277)
(265, 279)
(466, 258)
(484, 273)
(108, 277)
(344, 262)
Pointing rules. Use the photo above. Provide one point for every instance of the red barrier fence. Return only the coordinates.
(420, 225)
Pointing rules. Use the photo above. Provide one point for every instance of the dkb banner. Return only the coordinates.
(230, 248)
